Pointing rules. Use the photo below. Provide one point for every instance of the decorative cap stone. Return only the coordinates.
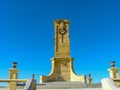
(14, 64)
(62, 20)
(112, 63)
(89, 75)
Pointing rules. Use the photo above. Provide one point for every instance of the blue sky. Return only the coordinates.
(27, 31)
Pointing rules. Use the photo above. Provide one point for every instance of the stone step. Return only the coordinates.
(67, 85)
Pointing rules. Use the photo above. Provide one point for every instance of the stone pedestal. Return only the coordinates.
(62, 70)
(13, 74)
(114, 72)
(89, 80)
(12, 85)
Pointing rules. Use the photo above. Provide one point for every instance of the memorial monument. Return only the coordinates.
(62, 63)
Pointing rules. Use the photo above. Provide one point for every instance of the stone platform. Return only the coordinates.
(67, 85)
(61, 89)
(62, 86)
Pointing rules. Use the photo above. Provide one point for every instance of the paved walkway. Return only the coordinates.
(74, 89)
(63, 89)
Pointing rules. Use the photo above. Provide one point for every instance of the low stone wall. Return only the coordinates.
(30, 85)
(109, 84)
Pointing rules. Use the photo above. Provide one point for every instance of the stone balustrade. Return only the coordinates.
(12, 83)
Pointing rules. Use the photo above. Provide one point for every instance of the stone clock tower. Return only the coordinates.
(62, 63)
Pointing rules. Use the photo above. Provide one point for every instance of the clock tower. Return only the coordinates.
(62, 63)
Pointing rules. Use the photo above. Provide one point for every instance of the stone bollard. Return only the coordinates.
(89, 79)
(13, 74)
(113, 70)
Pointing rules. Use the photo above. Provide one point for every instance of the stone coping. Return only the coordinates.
(13, 80)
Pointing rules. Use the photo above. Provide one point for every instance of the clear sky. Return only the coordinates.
(27, 31)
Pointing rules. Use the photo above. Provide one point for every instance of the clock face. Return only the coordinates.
(62, 31)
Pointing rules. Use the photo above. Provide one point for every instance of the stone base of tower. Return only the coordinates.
(62, 70)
